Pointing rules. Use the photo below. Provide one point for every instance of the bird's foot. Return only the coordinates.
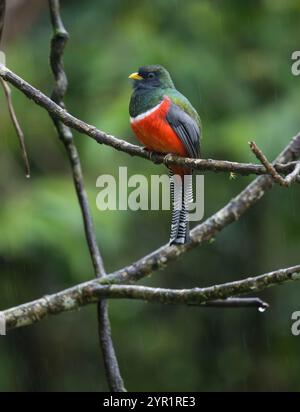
(168, 156)
(152, 155)
(148, 151)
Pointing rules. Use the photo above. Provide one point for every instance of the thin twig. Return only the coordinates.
(271, 169)
(7, 93)
(2, 16)
(17, 127)
(103, 138)
(58, 43)
(238, 303)
(89, 292)
(290, 178)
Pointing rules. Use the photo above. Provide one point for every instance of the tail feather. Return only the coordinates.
(181, 195)
(175, 190)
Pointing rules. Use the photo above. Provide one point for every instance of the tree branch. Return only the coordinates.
(89, 292)
(271, 170)
(237, 303)
(205, 231)
(7, 93)
(58, 43)
(121, 145)
(294, 175)
(16, 124)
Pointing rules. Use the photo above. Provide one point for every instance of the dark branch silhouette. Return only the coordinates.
(58, 43)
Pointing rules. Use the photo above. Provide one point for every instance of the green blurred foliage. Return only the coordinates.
(233, 60)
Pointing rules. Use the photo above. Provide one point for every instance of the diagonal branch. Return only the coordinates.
(58, 43)
(210, 227)
(121, 145)
(89, 292)
(16, 124)
(7, 93)
(271, 170)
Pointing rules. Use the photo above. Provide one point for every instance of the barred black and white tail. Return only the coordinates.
(181, 195)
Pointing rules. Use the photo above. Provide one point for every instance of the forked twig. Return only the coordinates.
(288, 180)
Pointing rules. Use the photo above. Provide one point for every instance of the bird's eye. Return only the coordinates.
(151, 76)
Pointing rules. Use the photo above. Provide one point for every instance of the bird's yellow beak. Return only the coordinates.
(135, 76)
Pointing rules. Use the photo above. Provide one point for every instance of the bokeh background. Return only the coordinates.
(233, 60)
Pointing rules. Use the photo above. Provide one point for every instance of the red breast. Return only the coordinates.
(155, 133)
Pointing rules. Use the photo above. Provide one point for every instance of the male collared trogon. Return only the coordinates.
(164, 121)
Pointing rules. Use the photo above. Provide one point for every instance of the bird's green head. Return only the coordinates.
(151, 77)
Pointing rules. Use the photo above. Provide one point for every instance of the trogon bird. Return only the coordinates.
(164, 121)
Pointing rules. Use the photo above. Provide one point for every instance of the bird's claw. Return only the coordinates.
(149, 152)
(167, 157)
(152, 155)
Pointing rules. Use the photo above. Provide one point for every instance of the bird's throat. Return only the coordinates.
(144, 100)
